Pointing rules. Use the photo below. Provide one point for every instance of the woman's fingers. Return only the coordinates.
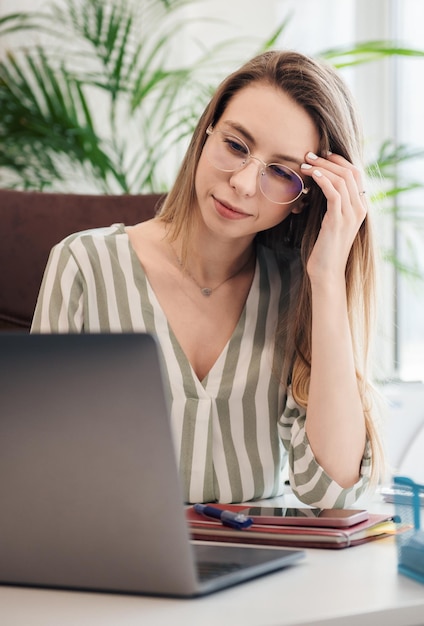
(345, 178)
(341, 184)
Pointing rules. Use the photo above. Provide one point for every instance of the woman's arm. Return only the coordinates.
(335, 423)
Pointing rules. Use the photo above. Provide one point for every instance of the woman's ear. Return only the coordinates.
(299, 205)
(297, 209)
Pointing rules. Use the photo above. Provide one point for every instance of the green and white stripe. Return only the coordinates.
(233, 430)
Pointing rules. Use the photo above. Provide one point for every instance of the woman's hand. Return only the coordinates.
(342, 185)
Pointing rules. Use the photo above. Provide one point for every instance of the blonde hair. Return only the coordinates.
(319, 90)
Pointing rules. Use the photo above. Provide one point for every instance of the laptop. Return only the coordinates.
(90, 496)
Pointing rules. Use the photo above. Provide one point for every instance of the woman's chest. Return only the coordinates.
(203, 326)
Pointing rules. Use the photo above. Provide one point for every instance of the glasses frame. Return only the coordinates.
(304, 190)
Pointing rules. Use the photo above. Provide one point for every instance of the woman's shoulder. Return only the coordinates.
(99, 233)
(90, 239)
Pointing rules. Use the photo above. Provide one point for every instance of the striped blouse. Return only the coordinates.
(234, 430)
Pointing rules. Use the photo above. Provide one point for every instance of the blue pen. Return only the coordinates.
(228, 518)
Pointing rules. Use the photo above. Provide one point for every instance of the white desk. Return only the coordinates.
(354, 586)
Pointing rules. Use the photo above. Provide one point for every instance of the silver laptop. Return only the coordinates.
(90, 496)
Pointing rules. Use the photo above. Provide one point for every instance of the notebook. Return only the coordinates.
(377, 526)
(89, 487)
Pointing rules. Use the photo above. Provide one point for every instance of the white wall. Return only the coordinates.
(14, 6)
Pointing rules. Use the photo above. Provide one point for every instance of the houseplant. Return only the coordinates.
(85, 107)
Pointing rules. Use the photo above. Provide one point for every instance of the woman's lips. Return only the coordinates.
(229, 212)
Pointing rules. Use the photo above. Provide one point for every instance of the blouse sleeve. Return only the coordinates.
(310, 483)
(60, 300)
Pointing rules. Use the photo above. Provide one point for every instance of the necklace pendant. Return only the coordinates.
(206, 291)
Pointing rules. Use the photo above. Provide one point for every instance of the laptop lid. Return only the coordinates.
(89, 487)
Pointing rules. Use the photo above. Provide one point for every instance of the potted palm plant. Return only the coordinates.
(85, 107)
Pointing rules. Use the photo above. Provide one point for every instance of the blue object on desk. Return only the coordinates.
(410, 544)
(228, 518)
(412, 554)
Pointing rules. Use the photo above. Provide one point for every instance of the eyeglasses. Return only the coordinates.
(229, 153)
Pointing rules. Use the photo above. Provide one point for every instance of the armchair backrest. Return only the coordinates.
(31, 223)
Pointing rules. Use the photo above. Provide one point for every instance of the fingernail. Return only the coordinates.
(305, 166)
(317, 173)
(311, 155)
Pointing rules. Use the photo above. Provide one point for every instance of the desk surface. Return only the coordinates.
(354, 586)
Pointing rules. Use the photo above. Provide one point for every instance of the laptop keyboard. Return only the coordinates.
(207, 570)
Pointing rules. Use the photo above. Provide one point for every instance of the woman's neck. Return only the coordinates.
(212, 261)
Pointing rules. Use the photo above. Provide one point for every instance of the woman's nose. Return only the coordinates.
(245, 180)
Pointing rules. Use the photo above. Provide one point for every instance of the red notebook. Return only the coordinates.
(376, 526)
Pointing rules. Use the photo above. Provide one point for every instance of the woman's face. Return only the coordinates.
(276, 130)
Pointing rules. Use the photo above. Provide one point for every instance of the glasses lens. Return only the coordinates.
(280, 184)
(226, 152)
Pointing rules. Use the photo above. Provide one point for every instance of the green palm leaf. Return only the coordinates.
(366, 52)
(47, 108)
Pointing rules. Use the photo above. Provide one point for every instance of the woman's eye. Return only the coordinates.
(279, 171)
(235, 146)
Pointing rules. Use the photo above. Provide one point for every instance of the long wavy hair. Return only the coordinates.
(319, 90)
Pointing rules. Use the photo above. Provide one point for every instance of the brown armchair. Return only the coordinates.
(31, 223)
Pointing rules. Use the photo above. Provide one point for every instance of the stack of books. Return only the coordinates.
(376, 526)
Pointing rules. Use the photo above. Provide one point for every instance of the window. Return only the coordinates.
(408, 17)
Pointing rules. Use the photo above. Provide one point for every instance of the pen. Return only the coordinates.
(228, 518)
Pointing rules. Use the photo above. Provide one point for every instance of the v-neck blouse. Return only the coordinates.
(234, 430)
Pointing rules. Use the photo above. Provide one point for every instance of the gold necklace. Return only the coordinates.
(207, 291)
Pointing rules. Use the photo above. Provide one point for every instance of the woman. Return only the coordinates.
(256, 277)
